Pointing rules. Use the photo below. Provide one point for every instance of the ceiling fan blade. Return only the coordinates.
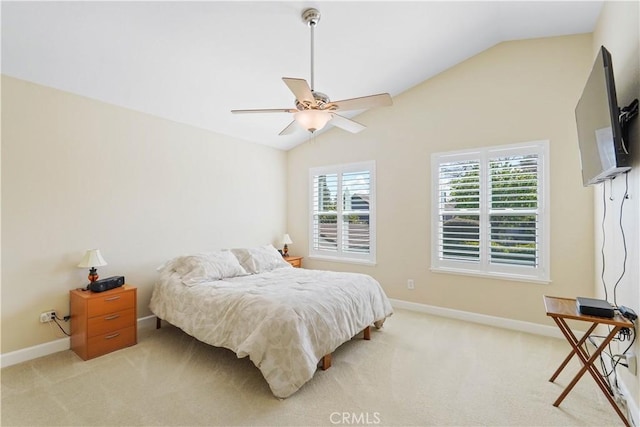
(346, 124)
(291, 127)
(300, 89)
(379, 100)
(266, 110)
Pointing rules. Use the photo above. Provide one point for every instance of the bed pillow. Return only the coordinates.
(206, 267)
(260, 259)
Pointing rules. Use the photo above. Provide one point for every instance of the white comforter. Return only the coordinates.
(285, 320)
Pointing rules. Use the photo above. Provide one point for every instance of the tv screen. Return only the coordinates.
(603, 153)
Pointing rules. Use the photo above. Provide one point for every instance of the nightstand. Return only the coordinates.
(295, 261)
(102, 322)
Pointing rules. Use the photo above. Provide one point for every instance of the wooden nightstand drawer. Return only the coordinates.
(110, 302)
(106, 343)
(110, 322)
(295, 261)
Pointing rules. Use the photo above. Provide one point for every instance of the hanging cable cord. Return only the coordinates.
(626, 335)
(623, 335)
(616, 358)
(624, 239)
(626, 332)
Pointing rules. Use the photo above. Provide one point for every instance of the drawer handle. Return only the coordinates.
(112, 298)
(108, 337)
(113, 316)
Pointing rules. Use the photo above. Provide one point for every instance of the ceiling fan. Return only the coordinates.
(313, 110)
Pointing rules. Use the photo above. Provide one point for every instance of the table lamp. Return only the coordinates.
(287, 241)
(92, 259)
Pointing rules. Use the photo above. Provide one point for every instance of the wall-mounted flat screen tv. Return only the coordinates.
(603, 153)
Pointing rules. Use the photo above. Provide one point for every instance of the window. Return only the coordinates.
(490, 212)
(342, 220)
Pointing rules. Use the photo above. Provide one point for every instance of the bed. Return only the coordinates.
(286, 320)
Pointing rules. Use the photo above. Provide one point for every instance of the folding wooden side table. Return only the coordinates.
(560, 309)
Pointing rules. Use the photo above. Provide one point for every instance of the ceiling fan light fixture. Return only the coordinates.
(313, 110)
(312, 120)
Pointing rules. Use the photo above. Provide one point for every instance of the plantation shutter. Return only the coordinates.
(325, 213)
(356, 187)
(343, 212)
(489, 214)
(513, 210)
(459, 210)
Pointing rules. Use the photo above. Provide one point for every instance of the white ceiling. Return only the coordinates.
(192, 62)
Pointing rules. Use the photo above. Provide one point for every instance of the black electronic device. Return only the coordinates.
(106, 284)
(628, 313)
(594, 307)
(602, 125)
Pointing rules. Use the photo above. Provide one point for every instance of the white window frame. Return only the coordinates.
(340, 255)
(483, 267)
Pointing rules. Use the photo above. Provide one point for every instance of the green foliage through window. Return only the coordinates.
(512, 192)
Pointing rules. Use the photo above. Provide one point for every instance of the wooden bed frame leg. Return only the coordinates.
(367, 333)
(325, 362)
(158, 322)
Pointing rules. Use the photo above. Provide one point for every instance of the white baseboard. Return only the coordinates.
(500, 322)
(634, 411)
(147, 322)
(62, 344)
(29, 353)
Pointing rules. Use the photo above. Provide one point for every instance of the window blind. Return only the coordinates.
(356, 187)
(343, 206)
(513, 210)
(459, 210)
(489, 212)
(325, 213)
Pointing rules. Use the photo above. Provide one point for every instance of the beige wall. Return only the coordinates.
(618, 29)
(80, 174)
(514, 92)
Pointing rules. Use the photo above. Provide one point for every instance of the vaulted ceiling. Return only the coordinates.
(192, 62)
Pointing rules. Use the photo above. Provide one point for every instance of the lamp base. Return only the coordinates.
(93, 275)
(285, 251)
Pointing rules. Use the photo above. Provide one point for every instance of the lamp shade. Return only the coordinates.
(92, 258)
(312, 120)
(286, 239)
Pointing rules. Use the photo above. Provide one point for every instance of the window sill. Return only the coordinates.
(499, 276)
(343, 260)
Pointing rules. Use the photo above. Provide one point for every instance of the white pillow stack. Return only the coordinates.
(211, 266)
(260, 259)
(206, 267)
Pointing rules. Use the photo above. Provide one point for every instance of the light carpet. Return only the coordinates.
(419, 370)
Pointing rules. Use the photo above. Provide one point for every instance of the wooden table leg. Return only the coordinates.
(570, 355)
(586, 362)
(588, 365)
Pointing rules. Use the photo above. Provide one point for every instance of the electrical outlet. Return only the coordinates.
(632, 363)
(47, 316)
(410, 284)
